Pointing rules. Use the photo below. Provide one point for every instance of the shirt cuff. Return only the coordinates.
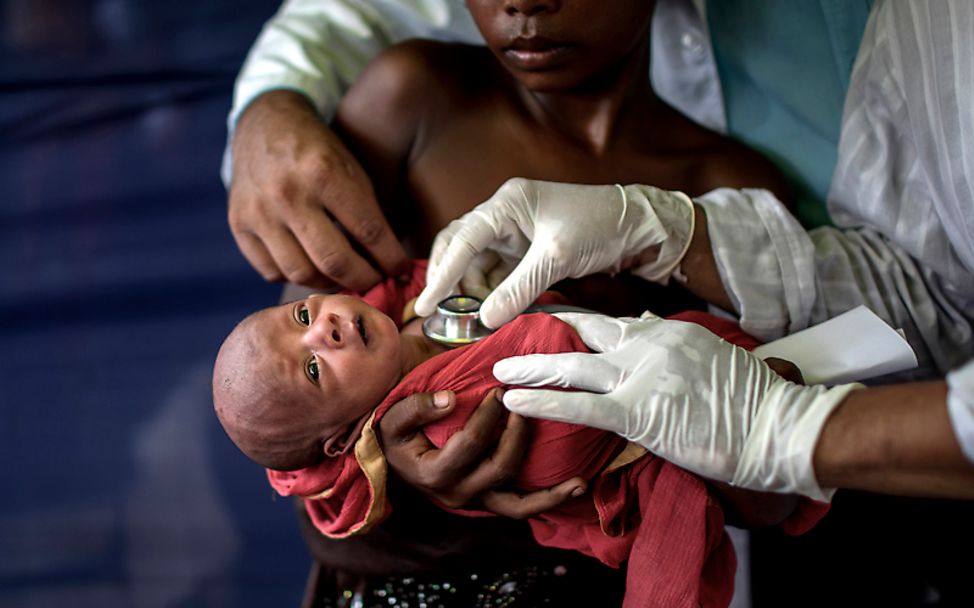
(960, 407)
(765, 260)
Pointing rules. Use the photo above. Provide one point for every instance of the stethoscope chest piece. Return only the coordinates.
(456, 322)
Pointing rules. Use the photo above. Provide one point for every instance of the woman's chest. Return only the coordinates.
(463, 164)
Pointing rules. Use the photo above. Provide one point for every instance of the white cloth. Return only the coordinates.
(902, 195)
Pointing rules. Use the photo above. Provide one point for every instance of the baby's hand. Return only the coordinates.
(463, 470)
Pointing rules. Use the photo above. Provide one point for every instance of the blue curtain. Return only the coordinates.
(119, 280)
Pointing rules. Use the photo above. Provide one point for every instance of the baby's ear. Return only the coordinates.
(343, 439)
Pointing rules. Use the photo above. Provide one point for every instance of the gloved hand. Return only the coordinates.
(549, 231)
(686, 395)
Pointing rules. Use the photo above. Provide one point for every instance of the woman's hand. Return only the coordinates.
(469, 467)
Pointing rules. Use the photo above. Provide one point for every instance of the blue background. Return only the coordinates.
(119, 280)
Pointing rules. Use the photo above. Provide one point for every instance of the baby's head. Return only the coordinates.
(292, 382)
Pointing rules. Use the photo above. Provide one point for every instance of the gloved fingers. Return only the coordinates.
(432, 295)
(442, 239)
(476, 278)
(437, 285)
(583, 371)
(453, 251)
(533, 275)
(597, 411)
(599, 332)
(499, 272)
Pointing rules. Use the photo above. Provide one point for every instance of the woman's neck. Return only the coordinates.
(597, 114)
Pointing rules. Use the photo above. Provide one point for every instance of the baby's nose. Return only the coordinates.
(325, 332)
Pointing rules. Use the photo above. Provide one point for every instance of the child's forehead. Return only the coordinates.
(266, 359)
(259, 324)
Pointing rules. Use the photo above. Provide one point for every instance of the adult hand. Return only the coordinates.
(686, 395)
(293, 180)
(459, 472)
(549, 231)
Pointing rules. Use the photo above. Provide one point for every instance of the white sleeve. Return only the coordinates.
(682, 64)
(960, 406)
(902, 198)
(318, 47)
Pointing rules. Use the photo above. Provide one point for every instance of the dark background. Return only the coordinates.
(118, 280)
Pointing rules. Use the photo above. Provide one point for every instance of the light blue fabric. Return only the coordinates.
(790, 114)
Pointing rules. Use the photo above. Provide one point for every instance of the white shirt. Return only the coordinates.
(902, 197)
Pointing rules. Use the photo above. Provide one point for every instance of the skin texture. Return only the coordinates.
(894, 440)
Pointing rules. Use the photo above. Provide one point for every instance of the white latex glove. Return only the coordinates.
(549, 231)
(686, 395)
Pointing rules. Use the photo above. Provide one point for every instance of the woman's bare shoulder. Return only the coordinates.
(408, 84)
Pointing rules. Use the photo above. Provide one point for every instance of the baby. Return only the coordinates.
(301, 387)
(294, 383)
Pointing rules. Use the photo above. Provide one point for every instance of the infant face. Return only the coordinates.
(333, 350)
(291, 377)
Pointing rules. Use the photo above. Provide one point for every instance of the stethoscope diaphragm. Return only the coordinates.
(456, 322)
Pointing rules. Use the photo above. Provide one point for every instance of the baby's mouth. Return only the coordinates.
(360, 326)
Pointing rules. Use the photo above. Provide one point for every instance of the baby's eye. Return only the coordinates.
(304, 317)
(312, 369)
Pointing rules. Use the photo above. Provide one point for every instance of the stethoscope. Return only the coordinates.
(456, 321)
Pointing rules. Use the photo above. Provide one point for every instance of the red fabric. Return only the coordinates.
(659, 517)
